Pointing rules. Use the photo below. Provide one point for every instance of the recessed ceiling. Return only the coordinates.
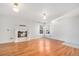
(33, 11)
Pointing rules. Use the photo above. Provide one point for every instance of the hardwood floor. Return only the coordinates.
(38, 47)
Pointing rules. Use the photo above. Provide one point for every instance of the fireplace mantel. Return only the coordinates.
(21, 33)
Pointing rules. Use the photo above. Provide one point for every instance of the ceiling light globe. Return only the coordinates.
(15, 9)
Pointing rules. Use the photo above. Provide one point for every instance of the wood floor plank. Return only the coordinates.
(38, 47)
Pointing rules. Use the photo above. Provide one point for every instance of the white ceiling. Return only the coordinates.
(33, 11)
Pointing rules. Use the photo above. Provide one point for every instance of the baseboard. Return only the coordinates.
(34, 38)
(4, 42)
(26, 39)
(71, 45)
(54, 38)
(15, 40)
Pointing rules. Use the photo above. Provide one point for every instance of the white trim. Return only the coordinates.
(3, 42)
(14, 40)
(71, 45)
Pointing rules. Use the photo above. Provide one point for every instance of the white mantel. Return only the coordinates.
(21, 39)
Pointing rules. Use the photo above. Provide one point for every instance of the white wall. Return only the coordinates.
(8, 27)
(66, 28)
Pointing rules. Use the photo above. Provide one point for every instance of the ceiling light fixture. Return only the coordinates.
(16, 7)
(44, 15)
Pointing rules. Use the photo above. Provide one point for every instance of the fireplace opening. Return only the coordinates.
(22, 34)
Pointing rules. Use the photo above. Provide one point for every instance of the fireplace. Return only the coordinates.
(22, 34)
